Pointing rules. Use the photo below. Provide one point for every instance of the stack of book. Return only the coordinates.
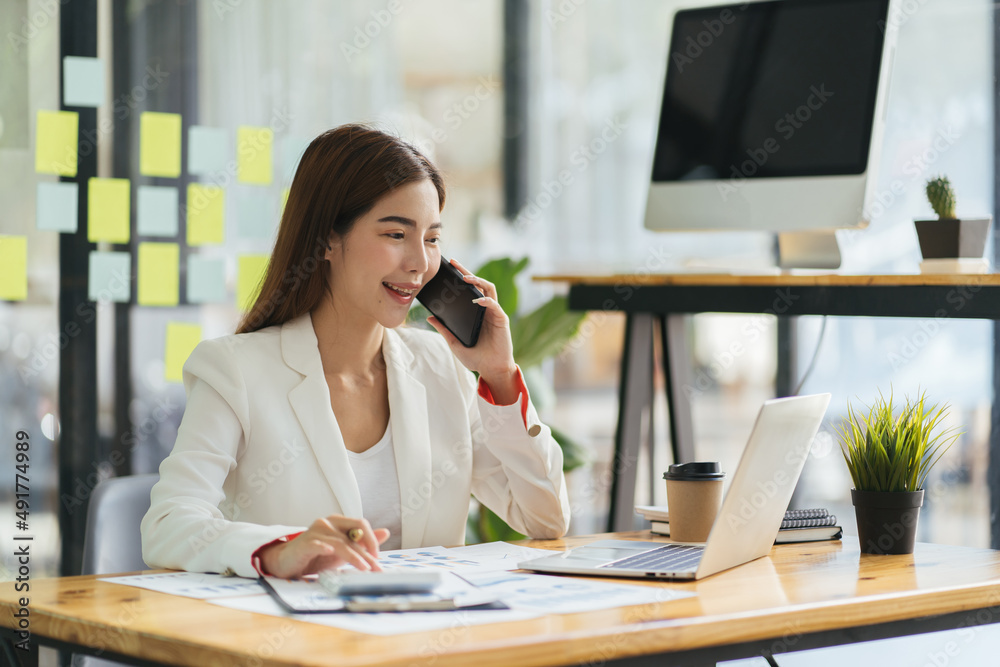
(809, 525)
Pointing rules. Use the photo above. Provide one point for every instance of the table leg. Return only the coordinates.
(15, 657)
(787, 374)
(635, 397)
(993, 467)
(678, 381)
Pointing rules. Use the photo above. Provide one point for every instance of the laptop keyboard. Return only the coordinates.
(668, 558)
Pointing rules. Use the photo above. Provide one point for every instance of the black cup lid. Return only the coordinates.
(696, 470)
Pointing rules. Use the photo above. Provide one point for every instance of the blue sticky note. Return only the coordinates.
(56, 207)
(206, 279)
(157, 211)
(256, 215)
(109, 276)
(83, 82)
(208, 150)
(292, 149)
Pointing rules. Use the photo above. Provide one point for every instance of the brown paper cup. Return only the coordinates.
(693, 506)
(694, 496)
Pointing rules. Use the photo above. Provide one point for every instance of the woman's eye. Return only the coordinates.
(395, 235)
(436, 240)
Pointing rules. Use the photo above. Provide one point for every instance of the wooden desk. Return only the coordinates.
(652, 302)
(800, 596)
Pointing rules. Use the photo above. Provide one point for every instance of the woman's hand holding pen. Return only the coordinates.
(328, 543)
(493, 355)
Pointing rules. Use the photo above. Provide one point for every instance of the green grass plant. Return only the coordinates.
(886, 451)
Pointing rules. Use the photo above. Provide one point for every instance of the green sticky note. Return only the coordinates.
(108, 202)
(156, 211)
(205, 214)
(109, 276)
(292, 149)
(56, 207)
(182, 338)
(206, 279)
(83, 81)
(159, 274)
(250, 272)
(13, 268)
(56, 142)
(255, 214)
(208, 150)
(160, 144)
(253, 149)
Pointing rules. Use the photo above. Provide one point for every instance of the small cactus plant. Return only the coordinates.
(942, 197)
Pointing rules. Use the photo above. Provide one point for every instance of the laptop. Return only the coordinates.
(748, 521)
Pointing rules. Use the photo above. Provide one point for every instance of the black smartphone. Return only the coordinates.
(449, 298)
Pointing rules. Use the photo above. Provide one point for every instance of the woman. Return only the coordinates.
(322, 416)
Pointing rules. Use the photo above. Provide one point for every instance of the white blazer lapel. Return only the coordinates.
(311, 402)
(410, 438)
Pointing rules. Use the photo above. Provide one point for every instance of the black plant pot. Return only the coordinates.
(951, 238)
(887, 520)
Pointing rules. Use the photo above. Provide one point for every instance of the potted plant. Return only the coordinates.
(536, 336)
(948, 237)
(889, 456)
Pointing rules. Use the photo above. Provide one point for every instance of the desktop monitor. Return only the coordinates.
(771, 119)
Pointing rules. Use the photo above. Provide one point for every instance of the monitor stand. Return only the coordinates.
(808, 250)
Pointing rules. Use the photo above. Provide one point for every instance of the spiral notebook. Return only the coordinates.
(803, 525)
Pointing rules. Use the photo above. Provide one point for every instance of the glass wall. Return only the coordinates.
(29, 326)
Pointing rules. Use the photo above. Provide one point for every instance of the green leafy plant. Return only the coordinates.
(942, 197)
(536, 336)
(885, 451)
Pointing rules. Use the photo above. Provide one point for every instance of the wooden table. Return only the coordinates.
(800, 596)
(652, 301)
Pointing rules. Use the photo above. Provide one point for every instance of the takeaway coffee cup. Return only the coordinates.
(694, 495)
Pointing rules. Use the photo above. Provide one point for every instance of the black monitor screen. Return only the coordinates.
(769, 89)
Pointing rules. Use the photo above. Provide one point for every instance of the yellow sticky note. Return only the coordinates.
(205, 214)
(108, 201)
(159, 274)
(160, 144)
(13, 268)
(253, 150)
(182, 338)
(251, 270)
(56, 134)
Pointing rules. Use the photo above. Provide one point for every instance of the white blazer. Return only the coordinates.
(259, 453)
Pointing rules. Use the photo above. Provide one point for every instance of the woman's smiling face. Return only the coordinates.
(387, 256)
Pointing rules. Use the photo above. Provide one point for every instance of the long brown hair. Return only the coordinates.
(341, 176)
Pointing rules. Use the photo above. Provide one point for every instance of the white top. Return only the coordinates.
(375, 470)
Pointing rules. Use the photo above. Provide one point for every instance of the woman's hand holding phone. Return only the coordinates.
(493, 355)
(325, 545)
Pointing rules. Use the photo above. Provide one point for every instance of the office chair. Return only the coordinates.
(112, 542)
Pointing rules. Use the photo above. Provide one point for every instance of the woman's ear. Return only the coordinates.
(334, 242)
